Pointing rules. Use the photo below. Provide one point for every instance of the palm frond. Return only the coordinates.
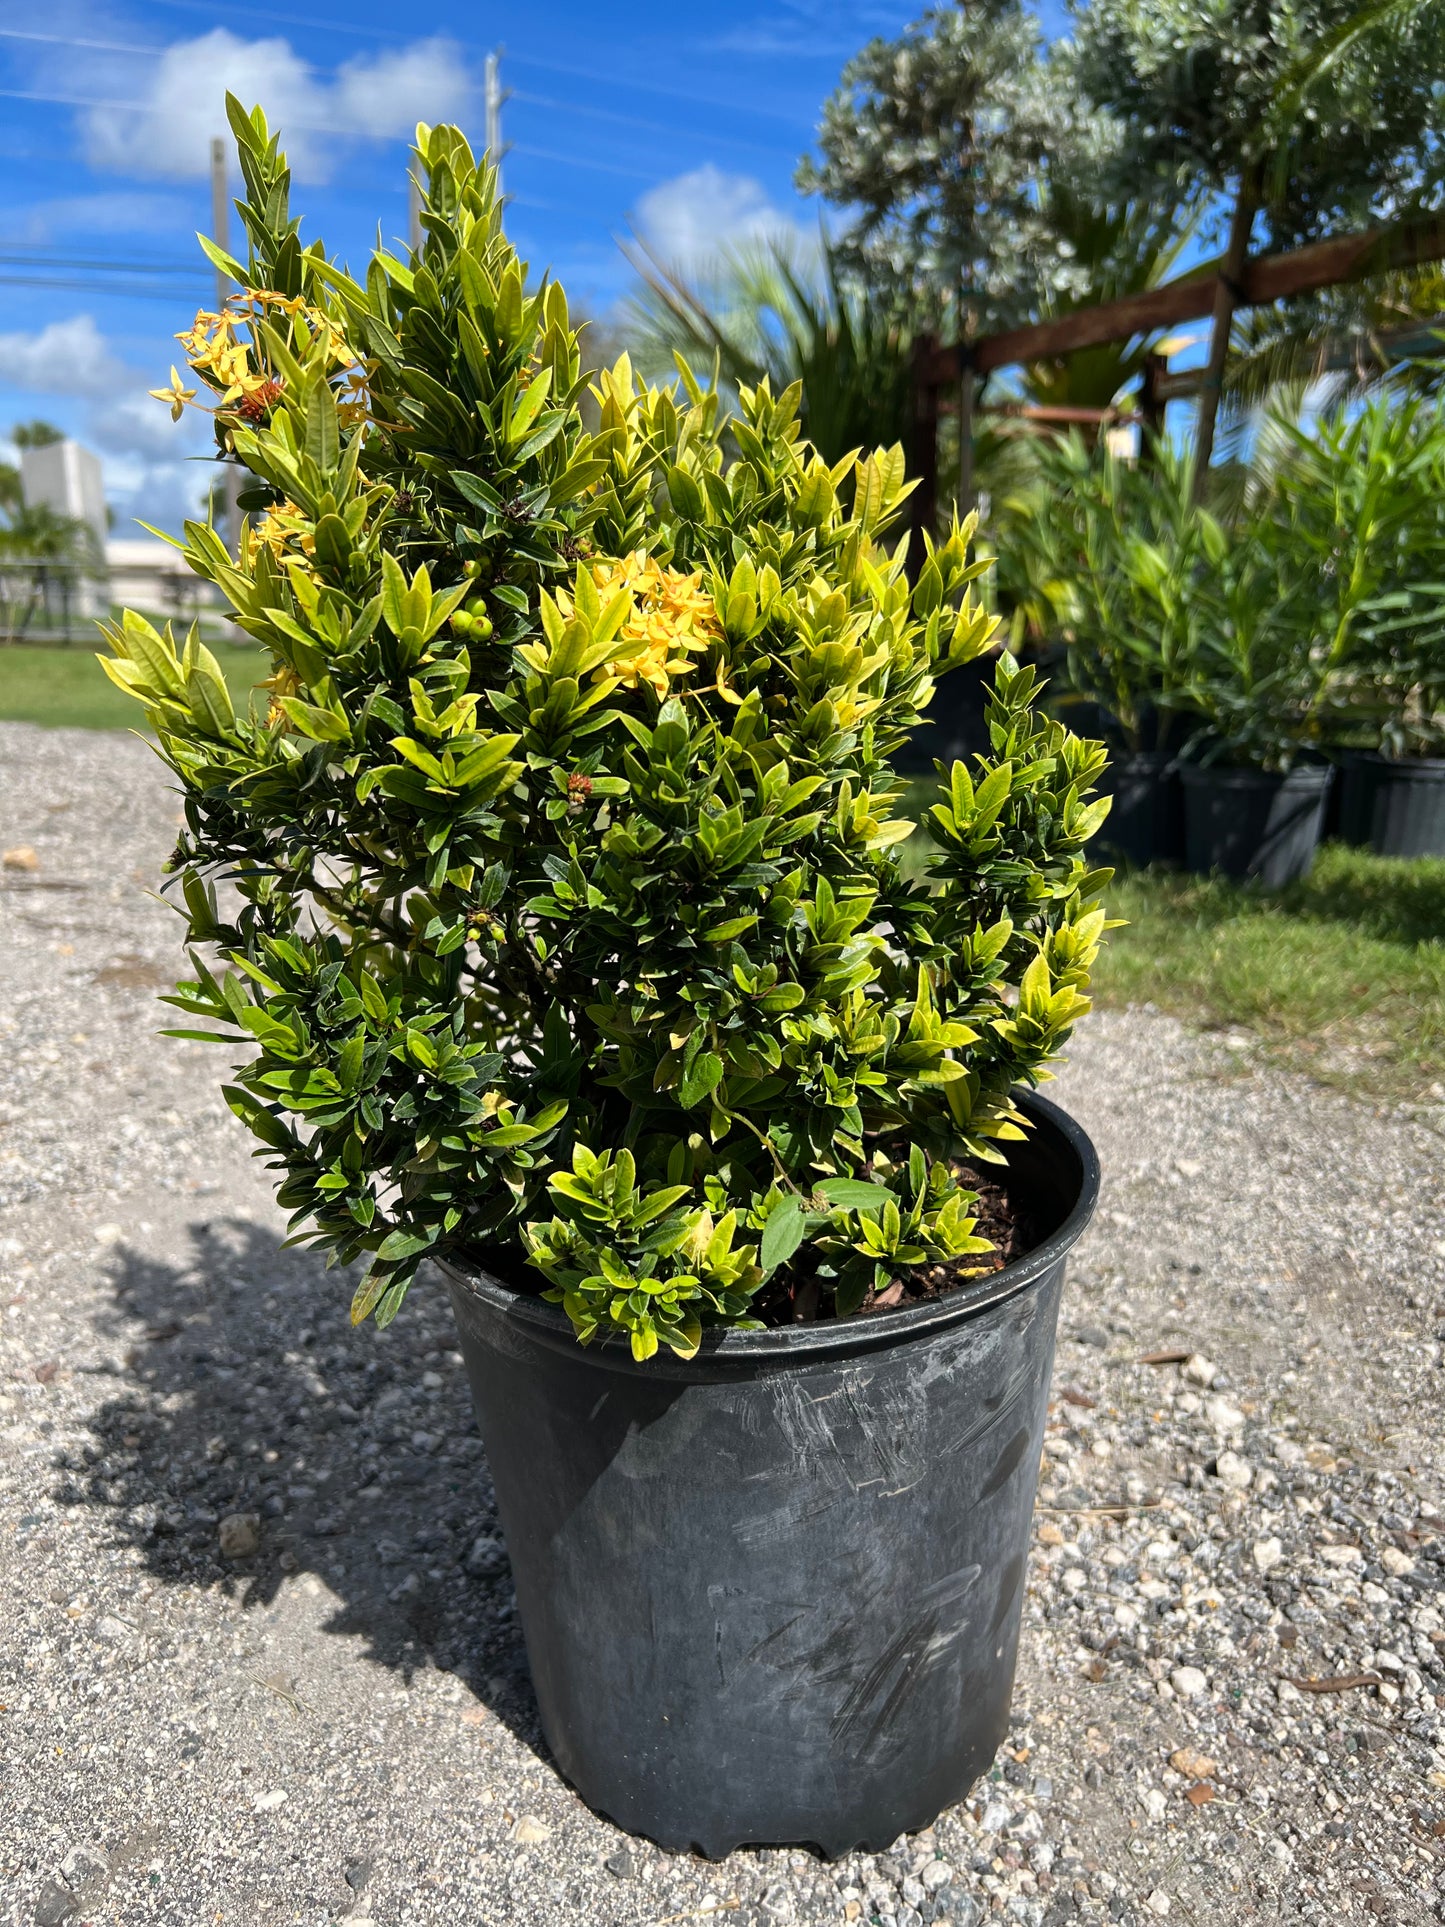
(770, 310)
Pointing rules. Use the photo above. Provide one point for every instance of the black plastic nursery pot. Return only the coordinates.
(1146, 823)
(954, 726)
(1396, 807)
(1253, 823)
(773, 1594)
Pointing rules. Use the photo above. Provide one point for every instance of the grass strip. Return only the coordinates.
(68, 689)
(1341, 974)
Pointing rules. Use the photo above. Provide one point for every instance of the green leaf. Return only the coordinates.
(333, 543)
(701, 1081)
(323, 428)
(368, 1294)
(782, 1234)
(855, 1194)
(529, 406)
(404, 1244)
(322, 725)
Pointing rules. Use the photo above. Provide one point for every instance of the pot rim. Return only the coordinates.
(1411, 768)
(549, 1325)
(1228, 776)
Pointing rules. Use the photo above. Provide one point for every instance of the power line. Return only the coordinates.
(540, 101)
(625, 81)
(112, 291)
(322, 127)
(632, 120)
(33, 256)
(90, 46)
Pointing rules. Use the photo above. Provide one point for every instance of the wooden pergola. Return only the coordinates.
(945, 377)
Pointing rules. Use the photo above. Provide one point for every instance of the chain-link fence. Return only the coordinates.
(56, 603)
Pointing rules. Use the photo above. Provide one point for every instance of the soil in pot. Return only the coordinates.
(1003, 1217)
(773, 1593)
(1254, 823)
(1395, 807)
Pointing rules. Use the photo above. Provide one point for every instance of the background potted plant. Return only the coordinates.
(1365, 495)
(570, 936)
(1099, 564)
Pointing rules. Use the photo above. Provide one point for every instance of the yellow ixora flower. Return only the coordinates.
(283, 681)
(177, 395)
(671, 619)
(239, 368)
(285, 530)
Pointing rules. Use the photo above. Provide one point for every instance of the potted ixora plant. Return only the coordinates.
(564, 916)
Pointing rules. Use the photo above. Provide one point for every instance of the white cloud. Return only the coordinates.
(687, 220)
(149, 461)
(180, 107)
(66, 358)
(135, 424)
(161, 493)
(386, 96)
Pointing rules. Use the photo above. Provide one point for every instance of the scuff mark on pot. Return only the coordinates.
(874, 1704)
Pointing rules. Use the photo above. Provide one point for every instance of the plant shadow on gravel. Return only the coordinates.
(246, 1390)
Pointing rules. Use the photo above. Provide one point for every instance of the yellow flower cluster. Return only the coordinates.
(671, 617)
(284, 530)
(283, 681)
(236, 369)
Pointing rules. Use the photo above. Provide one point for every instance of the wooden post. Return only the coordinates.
(1151, 407)
(967, 396)
(496, 97)
(925, 449)
(1229, 293)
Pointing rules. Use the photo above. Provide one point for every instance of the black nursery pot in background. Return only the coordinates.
(1252, 823)
(954, 726)
(773, 1594)
(1146, 822)
(1395, 807)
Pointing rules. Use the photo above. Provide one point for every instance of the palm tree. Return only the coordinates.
(771, 310)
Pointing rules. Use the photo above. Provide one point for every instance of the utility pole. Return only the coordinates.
(496, 95)
(221, 235)
(220, 216)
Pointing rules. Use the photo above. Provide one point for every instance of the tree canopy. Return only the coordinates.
(941, 141)
(955, 146)
(1213, 90)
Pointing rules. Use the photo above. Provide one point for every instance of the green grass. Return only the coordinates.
(1342, 974)
(67, 688)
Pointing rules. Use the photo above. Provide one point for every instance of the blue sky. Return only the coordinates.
(687, 122)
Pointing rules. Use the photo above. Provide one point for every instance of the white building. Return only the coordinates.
(65, 477)
(151, 576)
(143, 572)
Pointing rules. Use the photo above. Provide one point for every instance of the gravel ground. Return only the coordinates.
(338, 1724)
